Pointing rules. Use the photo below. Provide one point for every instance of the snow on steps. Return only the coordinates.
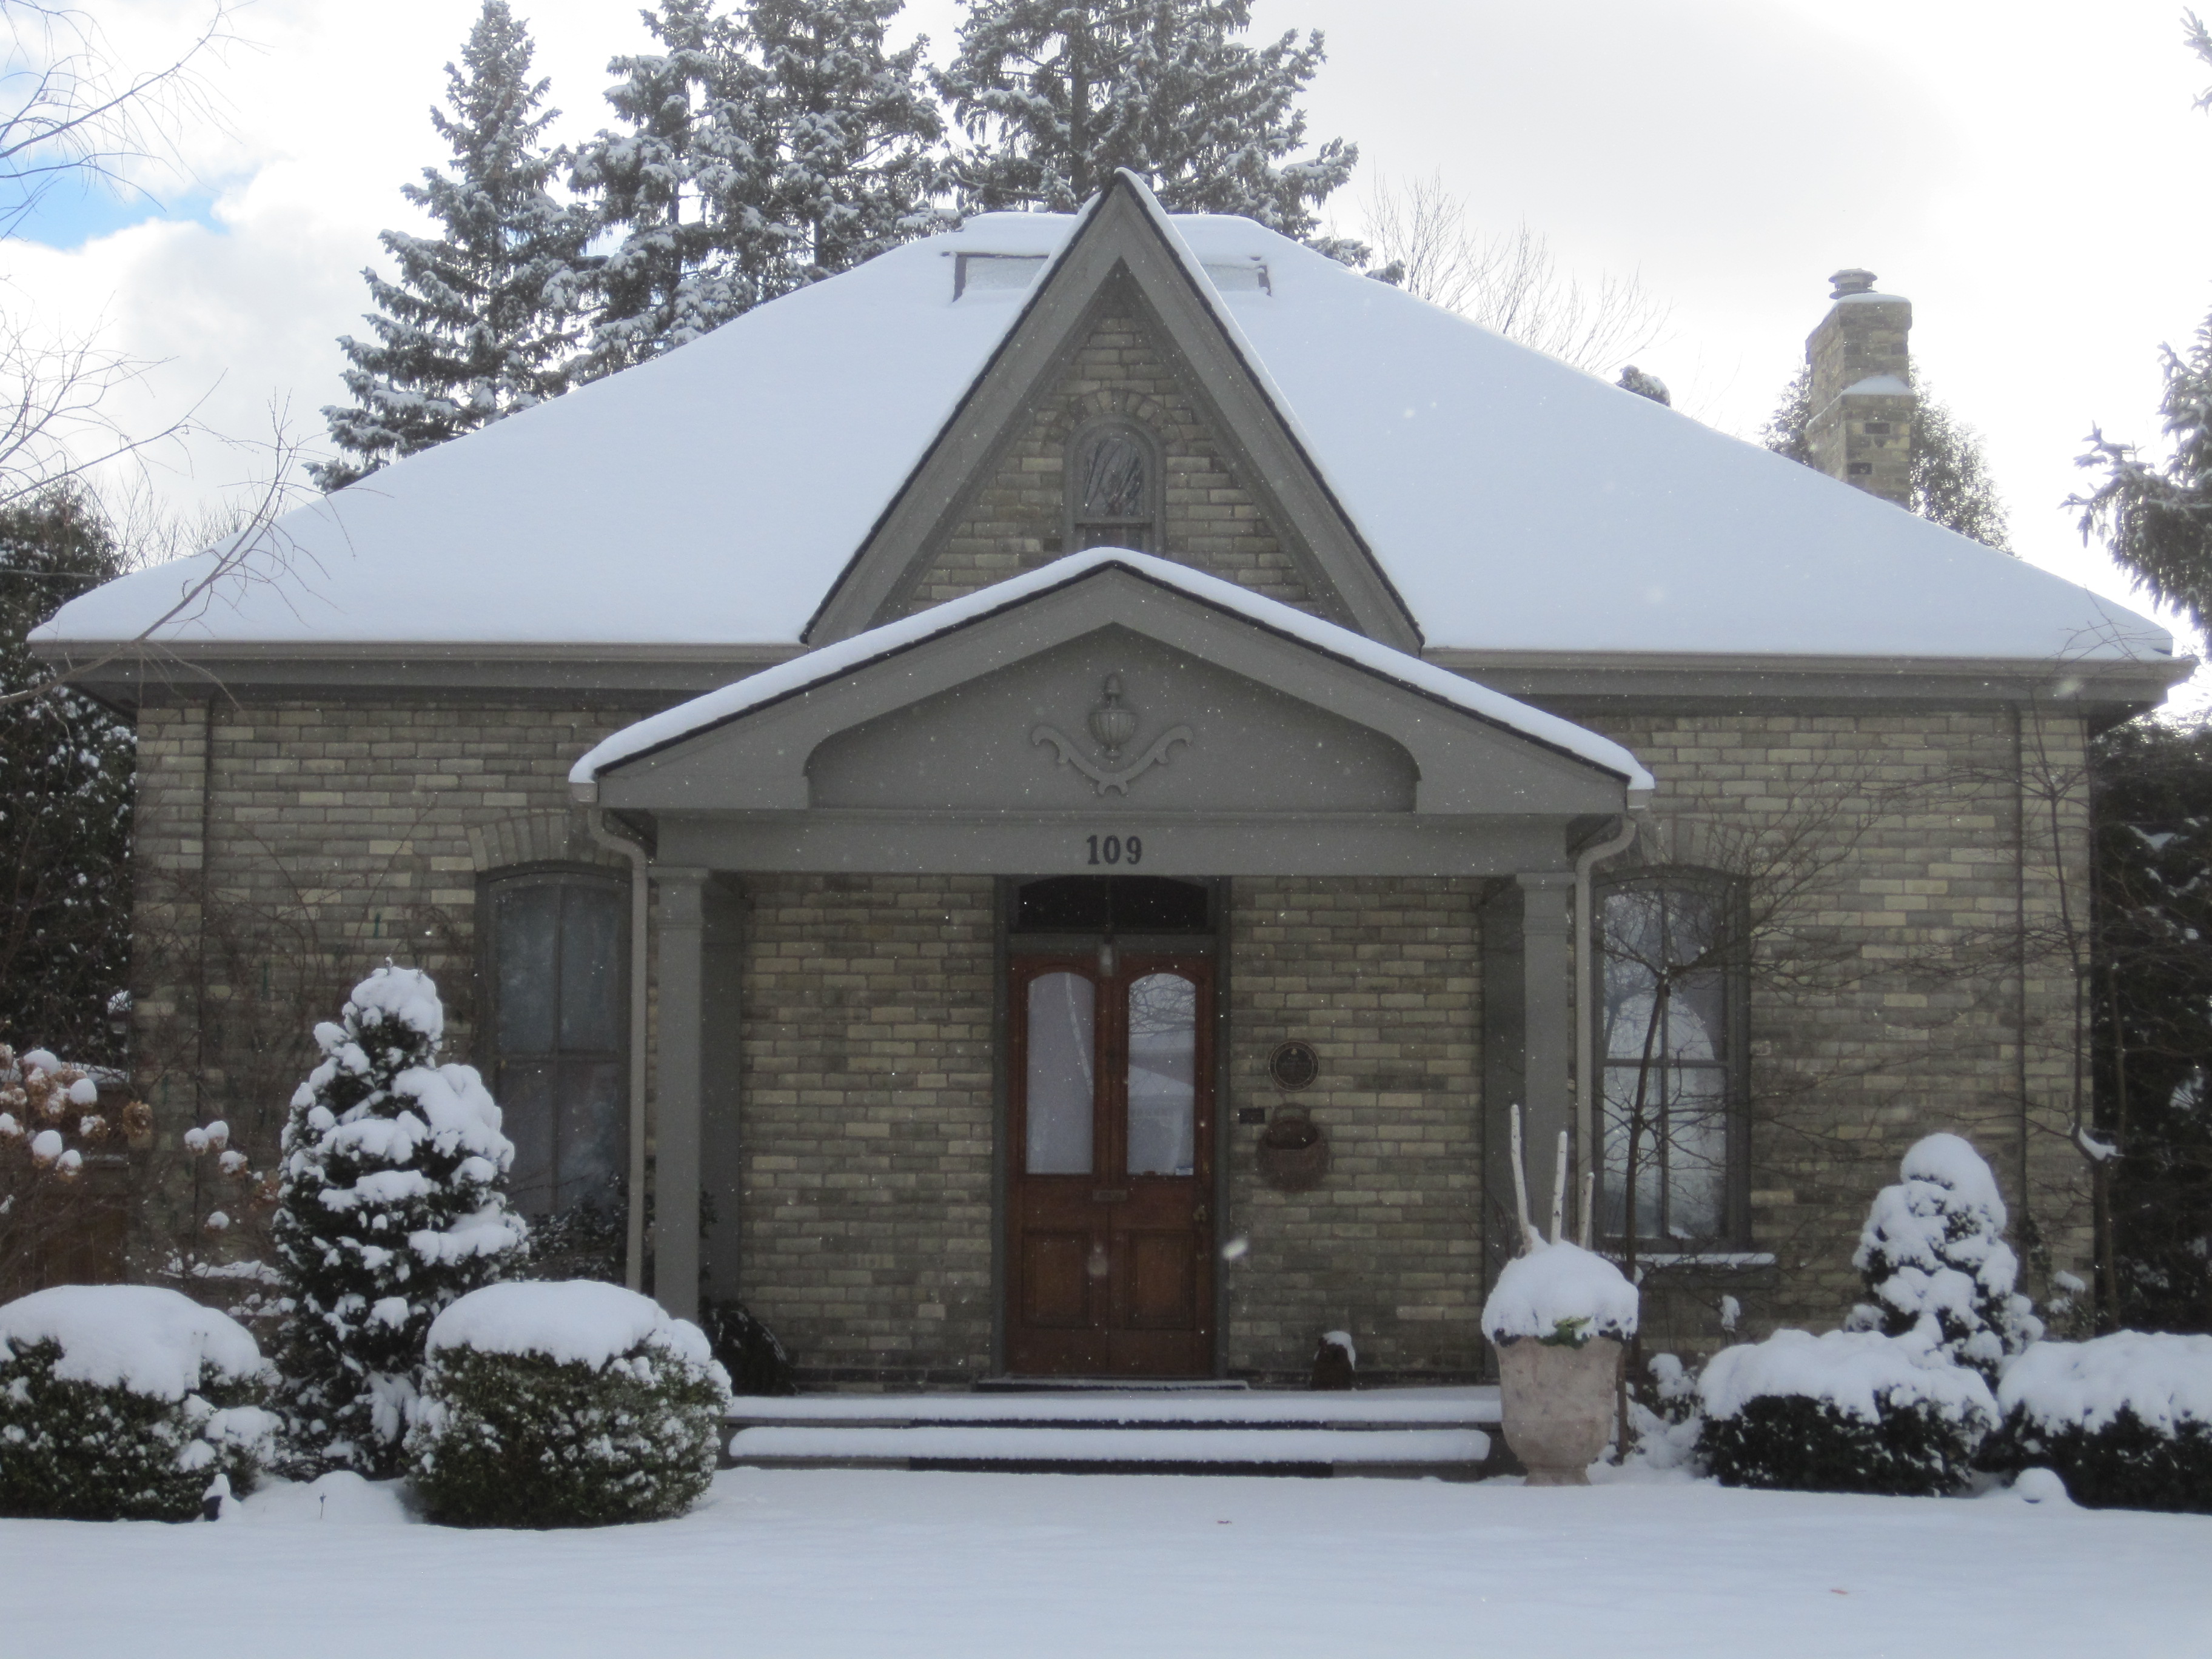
(1393, 1431)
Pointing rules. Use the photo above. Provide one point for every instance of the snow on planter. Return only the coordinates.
(563, 1404)
(2125, 1419)
(1934, 1261)
(1559, 1294)
(126, 1402)
(1848, 1411)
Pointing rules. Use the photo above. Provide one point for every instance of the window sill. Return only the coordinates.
(1739, 1260)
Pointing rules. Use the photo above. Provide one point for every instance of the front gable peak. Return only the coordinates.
(1123, 287)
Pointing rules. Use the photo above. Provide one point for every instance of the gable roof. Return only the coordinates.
(835, 664)
(715, 495)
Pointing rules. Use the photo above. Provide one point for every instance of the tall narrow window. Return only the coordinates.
(556, 971)
(1114, 488)
(1670, 1000)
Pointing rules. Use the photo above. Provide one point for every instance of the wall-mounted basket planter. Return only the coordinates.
(1293, 1152)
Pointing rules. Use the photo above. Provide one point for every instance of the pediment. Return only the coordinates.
(991, 711)
(1123, 259)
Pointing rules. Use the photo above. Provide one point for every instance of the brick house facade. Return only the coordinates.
(822, 931)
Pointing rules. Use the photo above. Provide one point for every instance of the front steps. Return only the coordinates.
(1100, 1429)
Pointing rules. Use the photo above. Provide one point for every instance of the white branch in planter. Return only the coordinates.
(1559, 1190)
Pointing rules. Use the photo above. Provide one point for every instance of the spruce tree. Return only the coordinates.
(1950, 476)
(1056, 94)
(1934, 1263)
(2156, 517)
(485, 316)
(858, 132)
(391, 1205)
(67, 767)
(689, 182)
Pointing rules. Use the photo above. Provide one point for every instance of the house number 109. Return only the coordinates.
(1116, 849)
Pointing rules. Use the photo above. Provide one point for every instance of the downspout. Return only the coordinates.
(615, 840)
(1586, 1012)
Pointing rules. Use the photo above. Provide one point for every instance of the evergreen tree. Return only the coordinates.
(1935, 1262)
(688, 183)
(484, 317)
(67, 765)
(1951, 481)
(2152, 1013)
(858, 132)
(1056, 94)
(391, 1205)
(2156, 517)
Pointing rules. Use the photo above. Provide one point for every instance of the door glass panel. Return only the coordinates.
(1163, 1075)
(1062, 1017)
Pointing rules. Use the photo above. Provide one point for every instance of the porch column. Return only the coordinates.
(677, 1090)
(1548, 1090)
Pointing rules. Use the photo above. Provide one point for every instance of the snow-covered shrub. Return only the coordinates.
(2126, 1419)
(1850, 1411)
(125, 1403)
(1667, 1429)
(569, 1403)
(747, 1350)
(1562, 1295)
(1934, 1261)
(391, 1206)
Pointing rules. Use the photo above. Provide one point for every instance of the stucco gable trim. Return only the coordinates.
(1122, 237)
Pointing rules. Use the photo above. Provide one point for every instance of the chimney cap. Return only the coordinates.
(1849, 282)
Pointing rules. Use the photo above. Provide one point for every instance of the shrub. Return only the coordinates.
(1850, 1411)
(1936, 1264)
(125, 1403)
(2126, 1419)
(564, 1404)
(391, 1207)
(748, 1351)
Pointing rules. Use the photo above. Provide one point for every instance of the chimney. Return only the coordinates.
(1861, 425)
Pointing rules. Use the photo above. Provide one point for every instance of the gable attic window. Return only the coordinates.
(1673, 1059)
(1113, 487)
(554, 949)
(985, 272)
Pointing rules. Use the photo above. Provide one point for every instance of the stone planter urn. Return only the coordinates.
(1559, 1402)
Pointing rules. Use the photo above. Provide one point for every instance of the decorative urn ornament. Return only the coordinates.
(1560, 1317)
(1113, 722)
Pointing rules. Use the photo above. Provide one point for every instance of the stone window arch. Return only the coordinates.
(1115, 486)
(1671, 991)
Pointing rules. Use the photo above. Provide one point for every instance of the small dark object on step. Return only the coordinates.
(1333, 1363)
(756, 1361)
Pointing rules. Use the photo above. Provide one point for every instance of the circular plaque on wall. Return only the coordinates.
(1293, 1065)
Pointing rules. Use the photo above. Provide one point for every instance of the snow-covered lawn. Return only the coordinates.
(820, 1564)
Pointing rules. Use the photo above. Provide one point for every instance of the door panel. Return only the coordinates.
(1110, 1243)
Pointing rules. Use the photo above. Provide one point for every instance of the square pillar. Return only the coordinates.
(677, 1089)
(1547, 1095)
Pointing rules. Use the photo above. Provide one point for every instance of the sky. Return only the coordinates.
(2025, 173)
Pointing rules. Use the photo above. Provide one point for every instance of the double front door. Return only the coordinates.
(1110, 1245)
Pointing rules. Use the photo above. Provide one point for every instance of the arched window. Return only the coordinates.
(556, 969)
(1672, 987)
(1113, 488)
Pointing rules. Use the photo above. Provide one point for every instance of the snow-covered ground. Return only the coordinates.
(823, 1563)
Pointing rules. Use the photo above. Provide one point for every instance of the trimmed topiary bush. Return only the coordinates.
(565, 1404)
(126, 1402)
(2126, 1419)
(1850, 1411)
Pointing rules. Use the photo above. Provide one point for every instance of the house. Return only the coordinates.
(1052, 797)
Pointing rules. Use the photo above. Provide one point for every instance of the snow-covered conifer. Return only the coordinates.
(688, 182)
(1055, 96)
(485, 316)
(1935, 1262)
(391, 1206)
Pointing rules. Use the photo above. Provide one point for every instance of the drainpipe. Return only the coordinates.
(1586, 1013)
(614, 840)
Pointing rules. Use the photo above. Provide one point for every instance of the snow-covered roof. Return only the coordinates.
(833, 662)
(714, 495)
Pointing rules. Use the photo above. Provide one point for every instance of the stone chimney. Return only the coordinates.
(1860, 424)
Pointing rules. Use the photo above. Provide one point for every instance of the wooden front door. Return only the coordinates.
(1110, 1245)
